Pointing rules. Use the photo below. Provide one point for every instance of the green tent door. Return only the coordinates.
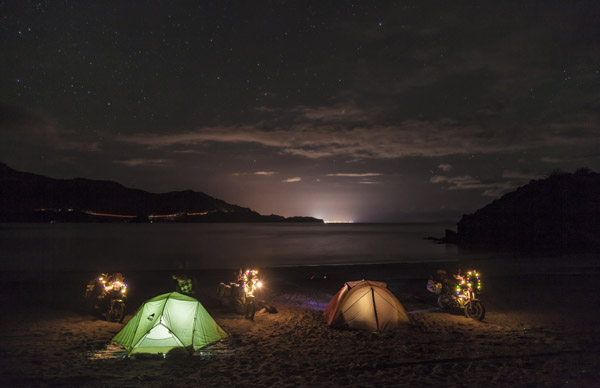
(167, 322)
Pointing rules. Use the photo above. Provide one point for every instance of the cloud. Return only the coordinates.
(265, 173)
(510, 180)
(581, 157)
(551, 159)
(335, 113)
(498, 189)
(356, 174)
(411, 138)
(445, 167)
(265, 109)
(186, 151)
(467, 182)
(363, 176)
(144, 162)
(290, 180)
(521, 175)
(457, 182)
(314, 133)
(37, 127)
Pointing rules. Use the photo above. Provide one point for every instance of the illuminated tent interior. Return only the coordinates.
(169, 322)
(365, 305)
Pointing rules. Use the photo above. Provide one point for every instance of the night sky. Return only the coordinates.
(342, 110)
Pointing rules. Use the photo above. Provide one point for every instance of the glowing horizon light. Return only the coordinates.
(338, 221)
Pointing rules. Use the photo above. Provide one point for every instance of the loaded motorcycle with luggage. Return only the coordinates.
(459, 292)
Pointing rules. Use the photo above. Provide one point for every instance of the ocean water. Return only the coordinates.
(135, 247)
(47, 247)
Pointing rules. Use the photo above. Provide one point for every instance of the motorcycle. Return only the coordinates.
(462, 295)
(241, 294)
(107, 296)
(116, 304)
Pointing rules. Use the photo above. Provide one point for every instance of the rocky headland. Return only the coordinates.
(26, 197)
(560, 212)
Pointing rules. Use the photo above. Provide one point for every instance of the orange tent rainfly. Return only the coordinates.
(365, 305)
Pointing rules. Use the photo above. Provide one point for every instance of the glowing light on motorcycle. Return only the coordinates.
(115, 285)
(476, 279)
(250, 281)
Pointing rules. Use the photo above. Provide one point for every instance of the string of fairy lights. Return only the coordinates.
(471, 281)
(250, 281)
(115, 285)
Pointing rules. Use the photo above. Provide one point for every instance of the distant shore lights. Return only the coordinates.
(338, 222)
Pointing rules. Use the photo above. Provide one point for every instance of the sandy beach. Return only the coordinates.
(541, 329)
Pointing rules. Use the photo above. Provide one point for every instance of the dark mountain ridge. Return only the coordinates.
(560, 212)
(27, 197)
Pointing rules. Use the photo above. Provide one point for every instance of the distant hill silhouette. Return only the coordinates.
(559, 212)
(26, 197)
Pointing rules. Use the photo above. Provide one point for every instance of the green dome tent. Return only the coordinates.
(365, 305)
(169, 321)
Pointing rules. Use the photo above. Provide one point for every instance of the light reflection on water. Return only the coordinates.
(165, 246)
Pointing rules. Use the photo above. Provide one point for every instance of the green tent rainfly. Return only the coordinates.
(169, 322)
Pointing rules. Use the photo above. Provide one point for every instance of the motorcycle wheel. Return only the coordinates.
(116, 312)
(475, 310)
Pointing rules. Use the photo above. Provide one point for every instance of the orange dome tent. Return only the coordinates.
(365, 305)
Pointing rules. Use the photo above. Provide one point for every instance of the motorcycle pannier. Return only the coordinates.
(434, 287)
